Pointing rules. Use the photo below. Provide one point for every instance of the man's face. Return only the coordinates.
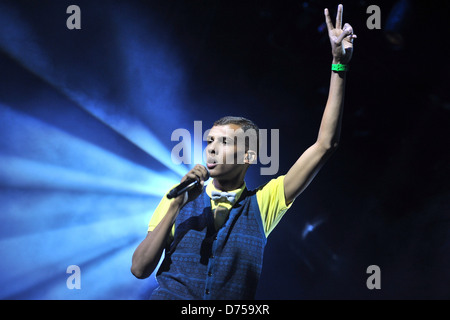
(226, 151)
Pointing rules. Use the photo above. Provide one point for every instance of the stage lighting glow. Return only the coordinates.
(67, 199)
(310, 227)
(135, 132)
(38, 159)
(67, 162)
(35, 59)
(36, 263)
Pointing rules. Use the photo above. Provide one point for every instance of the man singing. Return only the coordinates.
(214, 236)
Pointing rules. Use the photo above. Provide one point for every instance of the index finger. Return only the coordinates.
(203, 173)
(328, 20)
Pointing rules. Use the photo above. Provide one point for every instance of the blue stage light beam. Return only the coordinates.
(111, 204)
(21, 43)
(33, 154)
(36, 263)
(67, 201)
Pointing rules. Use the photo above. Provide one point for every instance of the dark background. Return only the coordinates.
(382, 199)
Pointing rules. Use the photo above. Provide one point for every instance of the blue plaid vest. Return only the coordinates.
(202, 263)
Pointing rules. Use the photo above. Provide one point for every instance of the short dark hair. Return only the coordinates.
(245, 125)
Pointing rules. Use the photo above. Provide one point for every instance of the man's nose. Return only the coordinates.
(210, 149)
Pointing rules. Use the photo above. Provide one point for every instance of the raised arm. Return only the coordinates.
(310, 162)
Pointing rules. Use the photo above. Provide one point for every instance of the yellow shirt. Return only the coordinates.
(270, 197)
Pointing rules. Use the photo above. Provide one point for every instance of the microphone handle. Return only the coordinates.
(184, 186)
(181, 188)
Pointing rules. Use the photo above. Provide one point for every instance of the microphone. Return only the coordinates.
(184, 186)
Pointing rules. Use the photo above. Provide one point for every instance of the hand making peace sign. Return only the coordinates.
(341, 38)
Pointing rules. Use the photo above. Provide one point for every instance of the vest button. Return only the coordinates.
(207, 291)
(209, 274)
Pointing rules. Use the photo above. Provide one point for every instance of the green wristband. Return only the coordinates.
(339, 67)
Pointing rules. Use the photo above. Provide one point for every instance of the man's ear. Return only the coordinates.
(250, 157)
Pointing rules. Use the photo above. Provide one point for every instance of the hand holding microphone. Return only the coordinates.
(192, 183)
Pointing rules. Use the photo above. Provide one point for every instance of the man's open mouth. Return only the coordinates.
(211, 163)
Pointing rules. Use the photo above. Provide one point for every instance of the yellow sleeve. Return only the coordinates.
(272, 203)
(158, 215)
